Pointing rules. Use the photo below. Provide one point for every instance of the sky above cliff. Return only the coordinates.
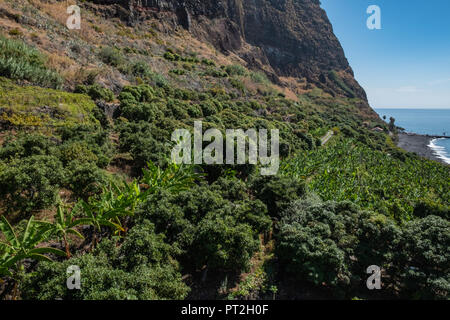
(405, 64)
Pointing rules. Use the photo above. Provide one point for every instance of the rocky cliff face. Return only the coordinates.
(286, 38)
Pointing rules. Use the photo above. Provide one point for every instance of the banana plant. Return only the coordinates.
(14, 249)
(64, 225)
(174, 178)
(101, 213)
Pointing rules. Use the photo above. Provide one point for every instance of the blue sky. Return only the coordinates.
(406, 64)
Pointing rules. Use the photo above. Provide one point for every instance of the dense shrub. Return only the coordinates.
(91, 141)
(85, 179)
(111, 56)
(141, 93)
(96, 92)
(148, 112)
(237, 84)
(179, 72)
(195, 111)
(210, 229)
(140, 139)
(236, 70)
(331, 244)
(426, 207)
(259, 77)
(26, 145)
(222, 243)
(75, 150)
(141, 269)
(422, 261)
(208, 108)
(208, 62)
(31, 183)
(277, 192)
(217, 73)
(141, 69)
(136, 106)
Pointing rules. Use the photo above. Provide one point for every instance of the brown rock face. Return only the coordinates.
(289, 38)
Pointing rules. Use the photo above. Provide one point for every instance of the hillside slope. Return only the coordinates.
(86, 120)
(286, 38)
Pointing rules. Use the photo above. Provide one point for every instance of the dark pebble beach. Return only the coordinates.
(418, 144)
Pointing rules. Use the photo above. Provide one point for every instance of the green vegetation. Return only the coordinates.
(31, 183)
(96, 92)
(236, 70)
(21, 62)
(349, 170)
(111, 56)
(140, 227)
(171, 55)
(335, 77)
(259, 77)
(48, 105)
(331, 244)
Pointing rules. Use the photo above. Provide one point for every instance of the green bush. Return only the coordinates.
(221, 243)
(208, 108)
(85, 179)
(85, 143)
(141, 269)
(277, 192)
(237, 84)
(21, 62)
(179, 72)
(31, 183)
(96, 92)
(213, 226)
(195, 111)
(236, 70)
(75, 150)
(259, 77)
(331, 244)
(26, 145)
(141, 93)
(422, 260)
(159, 80)
(111, 56)
(141, 140)
(141, 69)
(208, 62)
(171, 56)
(213, 72)
(427, 207)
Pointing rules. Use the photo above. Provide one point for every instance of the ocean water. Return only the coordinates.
(424, 121)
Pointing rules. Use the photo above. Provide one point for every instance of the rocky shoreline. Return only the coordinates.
(418, 144)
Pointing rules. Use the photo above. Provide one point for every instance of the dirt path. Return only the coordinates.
(326, 137)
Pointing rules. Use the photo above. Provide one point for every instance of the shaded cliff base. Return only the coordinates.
(418, 144)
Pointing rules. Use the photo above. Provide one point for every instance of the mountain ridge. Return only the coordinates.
(285, 38)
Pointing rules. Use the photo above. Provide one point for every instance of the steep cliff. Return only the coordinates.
(286, 38)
